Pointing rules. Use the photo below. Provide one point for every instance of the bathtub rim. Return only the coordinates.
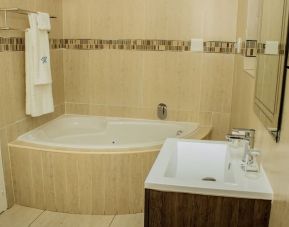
(195, 126)
(200, 133)
(197, 132)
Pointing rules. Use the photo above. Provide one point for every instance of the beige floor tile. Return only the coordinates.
(131, 220)
(54, 219)
(19, 216)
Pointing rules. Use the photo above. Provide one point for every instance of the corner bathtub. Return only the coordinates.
(89, 165)
(89, 132)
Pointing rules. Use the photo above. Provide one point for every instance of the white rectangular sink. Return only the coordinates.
(207, 168)
(205, 162)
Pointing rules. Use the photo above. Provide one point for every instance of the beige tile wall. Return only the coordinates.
(275, 156)
(13, 120)
(163, 19)
(196, 87)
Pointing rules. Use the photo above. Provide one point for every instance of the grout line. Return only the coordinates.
(10, 166)
(111, 221)
(36, 218)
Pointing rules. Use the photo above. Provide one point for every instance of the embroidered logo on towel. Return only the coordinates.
(44, 60)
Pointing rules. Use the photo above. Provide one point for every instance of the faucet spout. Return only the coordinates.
(247, 136)
(243, 134)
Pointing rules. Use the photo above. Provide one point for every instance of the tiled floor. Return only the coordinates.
(19, 216)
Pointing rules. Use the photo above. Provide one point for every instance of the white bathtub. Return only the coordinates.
(91, 132)
(110, 156)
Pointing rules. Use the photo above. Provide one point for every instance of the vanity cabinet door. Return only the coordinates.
(171, 209)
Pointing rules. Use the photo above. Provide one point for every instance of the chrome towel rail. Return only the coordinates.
(20, 11)
(6, 27)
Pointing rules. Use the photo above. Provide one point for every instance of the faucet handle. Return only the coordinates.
(249, 132)
(244, 131)
(253, 161)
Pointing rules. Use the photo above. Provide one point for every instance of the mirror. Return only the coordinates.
(271, 67)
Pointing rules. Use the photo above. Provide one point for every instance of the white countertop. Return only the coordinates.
(183, 171)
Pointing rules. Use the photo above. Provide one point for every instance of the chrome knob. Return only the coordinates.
(162, 111)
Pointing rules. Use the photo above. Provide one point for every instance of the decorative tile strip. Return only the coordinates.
(18, 44)
(127, 44)
(148, 45)
(219, 47)
(11, 44)
(249, 48)
(56, 43)
(261, 48)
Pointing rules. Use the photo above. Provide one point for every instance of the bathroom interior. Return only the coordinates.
(144, 113)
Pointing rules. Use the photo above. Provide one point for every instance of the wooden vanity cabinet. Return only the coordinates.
(172, 209)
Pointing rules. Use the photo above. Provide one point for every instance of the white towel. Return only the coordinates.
(39, 99)
(43, 20)
(43, 75)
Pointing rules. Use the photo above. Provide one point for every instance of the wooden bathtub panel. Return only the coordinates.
(48, 183)
(59, 180)
(16, 162)
(98, 182)
(22, 178)
(111, 183)
(38, 196)
(85, 170)
(123, 170)
(28, 178)
(71, 203)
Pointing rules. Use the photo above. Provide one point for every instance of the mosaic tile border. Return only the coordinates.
(220, 47)
(148, 45)
(12, 44)
(18, 44)
(126, 44)
(250, 48)
(260, 48)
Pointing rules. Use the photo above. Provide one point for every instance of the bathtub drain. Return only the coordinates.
(114, 141)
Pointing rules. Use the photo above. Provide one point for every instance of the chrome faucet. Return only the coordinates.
(243, 134)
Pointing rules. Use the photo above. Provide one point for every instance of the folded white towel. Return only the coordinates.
(39, 99)
(43, 21)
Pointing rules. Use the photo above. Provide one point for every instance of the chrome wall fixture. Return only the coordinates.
(17, 11)
(162, 111)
